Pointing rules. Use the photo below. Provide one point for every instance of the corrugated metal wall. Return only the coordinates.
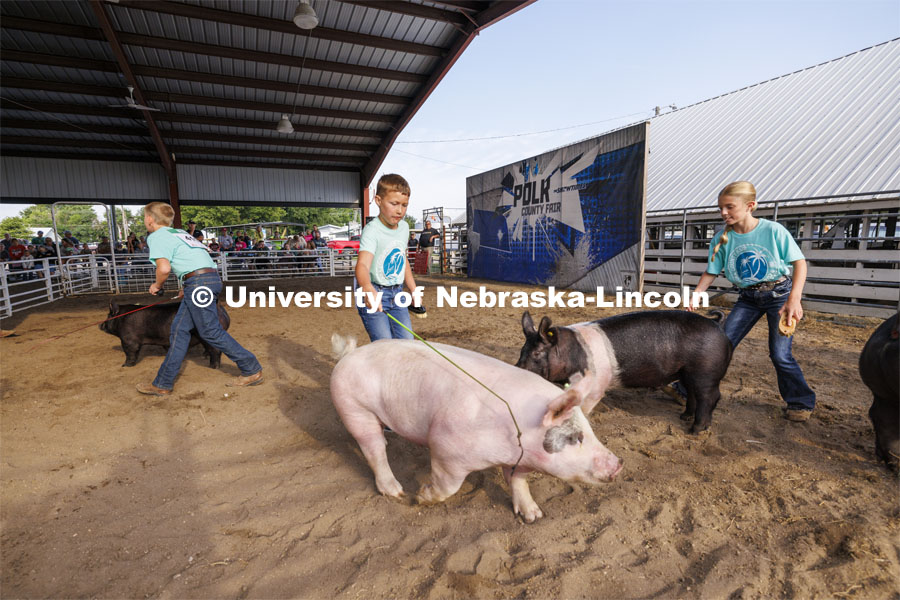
(829, 130)
(207, 183)
(29, 180)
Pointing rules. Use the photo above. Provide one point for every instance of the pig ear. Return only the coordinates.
(545, 332)
(113, 307)
(528, 325)
(560, 408)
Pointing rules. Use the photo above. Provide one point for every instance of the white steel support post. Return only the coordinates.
(47, 279)
(95, 275)
(331, 262)
(223, 263)
(7, 301)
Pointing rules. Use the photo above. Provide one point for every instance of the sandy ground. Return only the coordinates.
(263, 493)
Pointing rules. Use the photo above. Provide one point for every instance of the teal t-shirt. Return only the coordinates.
(389, 249)
(180, 248)
(764, 254)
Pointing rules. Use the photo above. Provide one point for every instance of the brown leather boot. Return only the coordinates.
(246, 380)
(152, 390)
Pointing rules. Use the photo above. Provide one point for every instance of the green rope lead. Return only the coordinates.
(508, 407)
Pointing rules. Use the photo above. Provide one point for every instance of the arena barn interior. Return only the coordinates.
(219, 77)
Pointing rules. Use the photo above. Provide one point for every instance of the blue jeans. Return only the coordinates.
(381, 327)
(206, 321)
(750, 307)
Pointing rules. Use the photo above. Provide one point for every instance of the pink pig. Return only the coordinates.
(408, 387)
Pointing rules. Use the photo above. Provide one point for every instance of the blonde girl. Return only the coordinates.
(757, 256)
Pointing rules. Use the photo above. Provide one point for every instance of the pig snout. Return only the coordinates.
(607, 466)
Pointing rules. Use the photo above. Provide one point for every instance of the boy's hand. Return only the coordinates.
(371, 298)
(155, 289)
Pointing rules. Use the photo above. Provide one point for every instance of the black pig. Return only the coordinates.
(879, 368)
(640, 349)
(152, 326)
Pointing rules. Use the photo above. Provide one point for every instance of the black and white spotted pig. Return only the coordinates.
(640, 349)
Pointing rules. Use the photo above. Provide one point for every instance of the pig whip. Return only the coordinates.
(508, 407)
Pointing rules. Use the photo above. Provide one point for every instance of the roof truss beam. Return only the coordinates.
(110, 33)
(70, 143)
(170, 117)
(192, 11)
(171, 134)
(184, 161)
(414, 10)
(146, 41)
(111, 92)
(214, 78)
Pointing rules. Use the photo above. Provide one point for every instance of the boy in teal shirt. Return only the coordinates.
(177, 250)
(382, 267)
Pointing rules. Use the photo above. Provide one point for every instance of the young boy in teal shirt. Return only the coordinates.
(382, 267)
(177, 250)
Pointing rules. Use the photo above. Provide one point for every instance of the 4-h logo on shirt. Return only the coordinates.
(393, 263)
(750, 263)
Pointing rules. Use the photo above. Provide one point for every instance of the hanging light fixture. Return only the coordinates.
(284, 125)
(305, 17)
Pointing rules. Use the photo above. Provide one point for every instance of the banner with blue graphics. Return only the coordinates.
(571, 217)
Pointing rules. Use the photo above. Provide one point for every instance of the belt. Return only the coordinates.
(198, 272)
(765, 286)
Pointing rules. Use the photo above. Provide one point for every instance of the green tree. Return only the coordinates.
(411, 221)
(15, 227)
(81, 220)
(319, 216)
(262, 214)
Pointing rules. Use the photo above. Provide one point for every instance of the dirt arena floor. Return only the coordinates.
(261, 493)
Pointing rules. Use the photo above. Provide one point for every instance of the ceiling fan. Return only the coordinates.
(130, 103)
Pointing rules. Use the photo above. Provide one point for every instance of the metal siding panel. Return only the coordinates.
(64, 178)
(252, 184)
(827, 130)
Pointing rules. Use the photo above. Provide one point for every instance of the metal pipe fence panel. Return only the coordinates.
(28, 283)
(852, 256)
(275, 264)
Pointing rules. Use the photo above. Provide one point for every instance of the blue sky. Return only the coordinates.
(584, 67)
(560, 63)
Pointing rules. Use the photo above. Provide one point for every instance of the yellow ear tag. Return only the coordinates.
(549, 334)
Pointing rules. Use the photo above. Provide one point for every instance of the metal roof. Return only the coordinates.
(827, 131)
(221, 73)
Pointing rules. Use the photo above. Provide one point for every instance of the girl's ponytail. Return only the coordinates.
(743, 190)
(722, 241)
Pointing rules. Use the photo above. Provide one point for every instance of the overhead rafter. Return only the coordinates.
(473, 6)
(110, 34)
(146, 97)
(414, 10)
(171, 134)
(159, 43)
(29, 140)
(215, 78)
(163, 116)
(182, 161)
(284, 26)
(78, 156)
